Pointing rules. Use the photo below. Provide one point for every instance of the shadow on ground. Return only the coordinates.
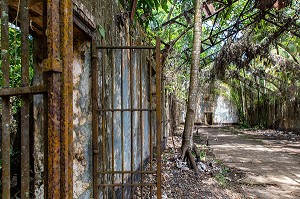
(271, 164)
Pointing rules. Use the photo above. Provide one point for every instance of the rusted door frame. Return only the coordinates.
(59, 155)
(96, 115)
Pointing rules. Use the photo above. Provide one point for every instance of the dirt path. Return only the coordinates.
(271, 164)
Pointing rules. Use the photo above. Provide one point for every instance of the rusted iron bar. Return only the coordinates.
(103, 124)
(32, 90)
(150, 118)
(112, 120)
(54, 69)
(128, 185)
(141, 118)
(66, 136)
(125, 47)
(158, 116)
(126, 172)
(131, 72)
(5, 102)
(122, 123)
(95, 117)
(25, 154)
(45, 102)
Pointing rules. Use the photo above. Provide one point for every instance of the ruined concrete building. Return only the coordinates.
(91, 114)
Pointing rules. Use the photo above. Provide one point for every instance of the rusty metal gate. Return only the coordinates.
(126, 121)
(57, 88)
(25, 92)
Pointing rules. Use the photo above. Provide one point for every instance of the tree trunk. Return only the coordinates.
(187, 143)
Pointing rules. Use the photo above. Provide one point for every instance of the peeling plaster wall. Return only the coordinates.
(222, 109)
(225, 112)
(104, 14)
(38, 122)
(82, 120)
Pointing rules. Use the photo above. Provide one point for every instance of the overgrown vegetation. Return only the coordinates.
(15, 63)
(250, 46)
(15, 76)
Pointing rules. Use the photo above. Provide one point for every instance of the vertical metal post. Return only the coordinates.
(158, 115)
(59, 181)
(141, 119)
(95, 116)
(66, 51)
(103, 125)
(5, 102)
(131, 118)
(150, 119)
(122, 123)
(112, 122)
(53, 66)
(45, 102)
(25, 100)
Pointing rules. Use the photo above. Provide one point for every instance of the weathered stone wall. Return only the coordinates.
(82, 119)
(104, 14)
(225, 112)
(38, 123)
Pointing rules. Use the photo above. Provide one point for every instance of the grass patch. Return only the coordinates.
(221, 177)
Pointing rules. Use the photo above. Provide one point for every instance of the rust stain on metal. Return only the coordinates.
(5, 102)
(66, 50)
(112, 119)
(59, 33)
(158, 116)
(53, 184)
(151, 129)
(131, 115)
(122, 124)
(69, 71)
(25, 153)
(54, 100)
(39, 89)
(128, 178)
(95, 117)
(103, 124)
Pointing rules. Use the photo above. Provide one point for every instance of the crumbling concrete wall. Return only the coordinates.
(225, 112)
(217, 104)
(38, 123)
(108, 16)
(82, 119)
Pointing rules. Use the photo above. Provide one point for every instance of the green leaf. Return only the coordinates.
(101, 31)
(164, 5)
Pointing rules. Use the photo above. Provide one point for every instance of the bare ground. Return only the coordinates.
(185, 183)
(240, 164)
(270, 159)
